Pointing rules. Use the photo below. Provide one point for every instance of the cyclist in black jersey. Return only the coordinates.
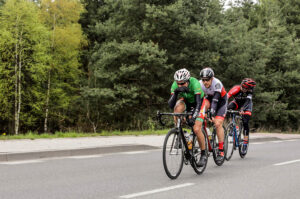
(242, 95)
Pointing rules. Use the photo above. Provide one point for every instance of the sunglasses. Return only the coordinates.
(181, 83)
(205, 80)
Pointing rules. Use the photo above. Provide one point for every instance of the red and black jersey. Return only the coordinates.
(239, 96)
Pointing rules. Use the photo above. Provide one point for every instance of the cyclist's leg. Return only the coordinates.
(180, 107)
(198, 125)
(245, 119)
(218, 121)
(232, 105)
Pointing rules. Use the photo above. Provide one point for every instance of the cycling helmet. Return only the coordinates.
(248, 83)
(182, 75)
(207, 73)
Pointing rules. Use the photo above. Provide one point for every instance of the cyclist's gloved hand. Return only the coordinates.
(194, 117)
(182, 89)
(213, 112)
(191, 121)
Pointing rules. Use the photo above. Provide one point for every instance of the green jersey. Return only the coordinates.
(194, 87)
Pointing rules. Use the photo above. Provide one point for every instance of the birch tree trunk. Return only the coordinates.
(49, 81)
(47, 103)
(17, 77)
(16, 91)
(20, 74)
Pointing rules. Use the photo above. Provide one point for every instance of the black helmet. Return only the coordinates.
(207, 73)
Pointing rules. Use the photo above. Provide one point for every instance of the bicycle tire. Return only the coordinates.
(196, 154)
(215, 146)
(172, 135)
(241, 142)
(230, 141)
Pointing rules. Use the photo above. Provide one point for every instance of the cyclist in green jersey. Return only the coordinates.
(190, 96)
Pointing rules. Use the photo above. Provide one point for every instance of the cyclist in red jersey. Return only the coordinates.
(242, 95)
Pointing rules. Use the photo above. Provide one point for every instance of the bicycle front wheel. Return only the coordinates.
(173, 154)
(196, 154)
(230, 141)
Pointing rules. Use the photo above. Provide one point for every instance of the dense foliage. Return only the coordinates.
(95, 65)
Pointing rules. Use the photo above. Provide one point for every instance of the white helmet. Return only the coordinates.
(182, 75)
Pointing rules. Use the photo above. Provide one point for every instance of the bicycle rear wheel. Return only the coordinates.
(196, 154)
(230, 141)
(215, 146)
(241, 143)
(173, 154)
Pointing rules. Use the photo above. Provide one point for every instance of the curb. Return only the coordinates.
(73, 152)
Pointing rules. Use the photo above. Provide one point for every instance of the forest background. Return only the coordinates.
(94, 65)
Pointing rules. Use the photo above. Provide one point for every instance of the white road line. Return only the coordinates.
(85, 156)
(134, 152)
(22, 162)
(292, 140)
(285, 163)
(157, 190)
(258, 143)
(276, 141)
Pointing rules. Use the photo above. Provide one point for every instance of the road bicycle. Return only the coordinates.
(235, 134)
(212, 139)
(179, 148)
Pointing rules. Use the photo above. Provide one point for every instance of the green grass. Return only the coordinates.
(35, 135)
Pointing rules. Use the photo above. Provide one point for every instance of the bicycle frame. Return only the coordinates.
(235, 133)
(179, 127)
(210, 149)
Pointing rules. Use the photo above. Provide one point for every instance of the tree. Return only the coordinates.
(61, 18)
(23, 51)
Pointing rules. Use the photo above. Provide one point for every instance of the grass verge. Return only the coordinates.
(35, 135)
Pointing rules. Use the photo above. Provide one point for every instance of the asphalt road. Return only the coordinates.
(271, 169)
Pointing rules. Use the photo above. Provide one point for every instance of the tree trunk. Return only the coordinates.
(47, 103)
(19, 83)
(49, 81)
(16, 92)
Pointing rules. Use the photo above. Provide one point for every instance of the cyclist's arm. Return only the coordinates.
(172, 100)
(233, 91)
(215, 101)
(199, 100)
(247, 101)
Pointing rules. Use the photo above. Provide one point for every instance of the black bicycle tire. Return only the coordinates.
(230, 151)
(214, 137)
(193, 161)
(241, 142)
(172, 131)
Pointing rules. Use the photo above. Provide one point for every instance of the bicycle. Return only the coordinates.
(212, 140)
(235, 134)
(176, 146)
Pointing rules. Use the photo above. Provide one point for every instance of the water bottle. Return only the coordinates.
(237, 129)
(209, 134)
(189, 139)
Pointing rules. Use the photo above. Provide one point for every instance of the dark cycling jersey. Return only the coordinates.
(242, 100)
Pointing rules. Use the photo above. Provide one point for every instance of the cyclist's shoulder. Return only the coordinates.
(195, 84)
(174, 86)
(193, 80)
(216, 81)
(236, 88)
